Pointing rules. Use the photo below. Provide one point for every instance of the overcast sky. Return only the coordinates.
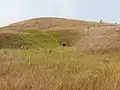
(18, 10)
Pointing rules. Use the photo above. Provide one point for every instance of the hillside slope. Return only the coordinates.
(26, 40)
(66, 32)
(102, 39)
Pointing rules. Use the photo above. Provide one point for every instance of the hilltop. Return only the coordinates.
(50, 23)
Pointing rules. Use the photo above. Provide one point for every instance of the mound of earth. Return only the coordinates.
(102, 39)
(65, 32)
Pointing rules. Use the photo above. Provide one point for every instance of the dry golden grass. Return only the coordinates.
(60, 69)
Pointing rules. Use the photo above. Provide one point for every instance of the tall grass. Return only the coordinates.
(60, 69)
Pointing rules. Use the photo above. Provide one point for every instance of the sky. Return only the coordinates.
(94, 10)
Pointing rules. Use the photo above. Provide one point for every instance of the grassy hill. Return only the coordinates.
(63, 31)
(32, 56)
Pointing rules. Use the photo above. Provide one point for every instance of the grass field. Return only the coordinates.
(53, 67)
(36, 61)
(61, 69)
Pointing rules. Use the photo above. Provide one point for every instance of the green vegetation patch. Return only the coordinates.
(31, 40)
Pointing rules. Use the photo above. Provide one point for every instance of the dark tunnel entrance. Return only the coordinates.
(64, 44)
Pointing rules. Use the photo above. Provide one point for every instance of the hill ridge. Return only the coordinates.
(54, 23)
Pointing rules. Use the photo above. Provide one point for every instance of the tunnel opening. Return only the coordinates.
(64, 44)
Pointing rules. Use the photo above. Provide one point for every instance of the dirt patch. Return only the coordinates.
(102, 39)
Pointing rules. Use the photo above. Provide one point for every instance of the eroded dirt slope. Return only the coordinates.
(101, 39)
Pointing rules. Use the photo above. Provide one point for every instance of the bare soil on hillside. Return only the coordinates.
(102, 39)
